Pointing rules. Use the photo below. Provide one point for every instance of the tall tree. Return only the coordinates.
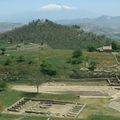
(114, 45)
(38, 80)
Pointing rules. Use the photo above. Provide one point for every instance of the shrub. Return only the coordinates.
(75, 74)
(3, 51)
(20, 59)
(92, 65)
(3, 85)
(91, 48)
(7, 62)
(76, 58)
(77, 54)
(48, 69)
(114, 45)
(30, 62)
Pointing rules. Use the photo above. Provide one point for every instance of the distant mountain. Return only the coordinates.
(54, 35)
(107, 25)
(8, 26)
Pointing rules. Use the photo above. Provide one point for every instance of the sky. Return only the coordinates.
(27, 10)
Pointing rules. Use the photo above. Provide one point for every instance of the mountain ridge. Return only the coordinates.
(108, 25)
(7, 26)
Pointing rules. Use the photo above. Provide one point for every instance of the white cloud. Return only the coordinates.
(54, 7)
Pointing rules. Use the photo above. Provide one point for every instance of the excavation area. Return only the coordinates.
(50, 108)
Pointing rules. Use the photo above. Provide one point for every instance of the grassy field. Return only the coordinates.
(93, 117)
(105, 60)
(32, 56)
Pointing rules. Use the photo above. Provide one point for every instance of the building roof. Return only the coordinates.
(105, 48)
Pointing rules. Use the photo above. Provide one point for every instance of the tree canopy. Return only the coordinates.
(54, 35)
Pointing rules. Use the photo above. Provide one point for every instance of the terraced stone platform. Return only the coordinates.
(46, 107)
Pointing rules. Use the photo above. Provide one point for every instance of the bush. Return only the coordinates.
(91, 48)
(30, 62)
(20, 59)
(3, 85)
(77, 54)
(3, 51)
(75, 74)
(114, 45)
(7, 62)
(76, 58)
(92, 65)
(48, 69)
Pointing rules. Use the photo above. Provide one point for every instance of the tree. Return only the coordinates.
(92, 65)
(7, 62)
(76, 26)
(91, 48)
(77, 57)
(48, 69)
(114, 45)
(77, 54)
(39, 79)
(37, 84)
(3, 51)
(3, 85)
(20, 59)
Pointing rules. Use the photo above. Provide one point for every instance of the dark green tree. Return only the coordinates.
(20, 59)
(48, 69)
(7, 62)
(3, 51)
(77, 54)
(38, 80)
(91, 48)
(114, 45)
(77, 57)
(3, 85)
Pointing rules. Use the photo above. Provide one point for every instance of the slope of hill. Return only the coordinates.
(55, 35)
(8, 26)
(107, 25)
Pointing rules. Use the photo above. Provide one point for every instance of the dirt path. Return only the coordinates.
(45, 88)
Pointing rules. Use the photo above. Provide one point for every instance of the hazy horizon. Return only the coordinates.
(27, 10)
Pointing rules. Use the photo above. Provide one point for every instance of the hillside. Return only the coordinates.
(8, 26)
(107, 25)
(22, 63)
(55, 35)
